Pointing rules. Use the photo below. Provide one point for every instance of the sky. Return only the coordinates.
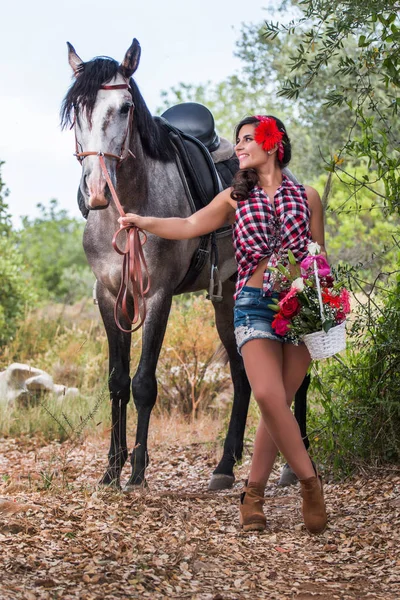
(182, 41)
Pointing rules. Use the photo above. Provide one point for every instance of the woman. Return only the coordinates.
(270, 214)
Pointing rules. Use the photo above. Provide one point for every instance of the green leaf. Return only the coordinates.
(274, 307)
(284, 271)
(291, 258)
(327, 325)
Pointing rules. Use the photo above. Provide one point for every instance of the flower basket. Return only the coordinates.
(323, 345)
(315, 307)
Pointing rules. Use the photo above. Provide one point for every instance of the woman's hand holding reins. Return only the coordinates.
(131, 219)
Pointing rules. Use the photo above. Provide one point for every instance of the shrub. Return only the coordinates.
(189, 377)
(15, 290)
(360, 420)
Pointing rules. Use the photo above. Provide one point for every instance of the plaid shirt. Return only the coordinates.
(261, 232)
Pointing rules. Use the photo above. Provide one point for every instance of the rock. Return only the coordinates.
(25, 384)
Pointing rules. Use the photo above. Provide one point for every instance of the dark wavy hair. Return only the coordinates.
(245, 179)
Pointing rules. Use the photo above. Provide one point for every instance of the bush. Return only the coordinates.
(15, 290)
(70, 344)
(52, 248)
(360, 420)
(189, 377)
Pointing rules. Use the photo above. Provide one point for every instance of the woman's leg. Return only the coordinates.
(274, 375)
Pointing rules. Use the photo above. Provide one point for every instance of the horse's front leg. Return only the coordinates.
(144, 383)
(223, 476)
(119, 385)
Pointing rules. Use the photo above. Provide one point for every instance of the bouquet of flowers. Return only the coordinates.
(312, 307)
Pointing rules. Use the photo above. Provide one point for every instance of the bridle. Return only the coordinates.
(134, 267)
(125, 151)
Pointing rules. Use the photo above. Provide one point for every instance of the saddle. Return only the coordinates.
(207, 162)
(207, 165)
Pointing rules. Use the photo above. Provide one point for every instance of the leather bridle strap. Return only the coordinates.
(133, 267)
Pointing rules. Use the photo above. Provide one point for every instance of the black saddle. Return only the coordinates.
(191, 129)
(195, 120)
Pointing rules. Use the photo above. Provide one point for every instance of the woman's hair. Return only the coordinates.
(245, 179)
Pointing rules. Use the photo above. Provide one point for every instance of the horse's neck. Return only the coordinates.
(150, 186)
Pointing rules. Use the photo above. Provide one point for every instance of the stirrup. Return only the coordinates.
(215, 281)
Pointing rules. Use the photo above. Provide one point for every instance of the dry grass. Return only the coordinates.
(70, 344)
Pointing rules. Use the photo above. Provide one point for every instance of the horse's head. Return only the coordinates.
(101, 102)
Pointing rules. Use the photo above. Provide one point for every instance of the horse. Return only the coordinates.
(113, 124)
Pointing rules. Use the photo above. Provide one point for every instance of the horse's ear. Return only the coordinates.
(74, 60)
(131, 60)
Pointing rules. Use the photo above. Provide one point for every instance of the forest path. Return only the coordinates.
(61, 537)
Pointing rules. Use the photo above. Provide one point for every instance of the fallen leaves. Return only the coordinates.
(10, 508)
(177, 541)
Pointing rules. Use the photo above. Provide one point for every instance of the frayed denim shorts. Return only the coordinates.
(252, 317)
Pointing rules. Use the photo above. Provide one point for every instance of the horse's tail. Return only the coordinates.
(220, 355)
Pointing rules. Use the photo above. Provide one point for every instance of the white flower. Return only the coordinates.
(313, 248)
(298, 284)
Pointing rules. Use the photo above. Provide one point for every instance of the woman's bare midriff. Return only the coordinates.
(256, 280)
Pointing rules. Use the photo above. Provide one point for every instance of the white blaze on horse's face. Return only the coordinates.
(108, 133)
(108, 129)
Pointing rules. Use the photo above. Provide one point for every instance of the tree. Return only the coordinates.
(15, 288)
(317, 132)
(5, 218)
(52, 248)
(360, 231)
(367, 81)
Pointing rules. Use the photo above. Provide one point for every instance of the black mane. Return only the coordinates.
(83, 92)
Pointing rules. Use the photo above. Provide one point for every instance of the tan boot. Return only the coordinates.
(314, 512)
(252, 516)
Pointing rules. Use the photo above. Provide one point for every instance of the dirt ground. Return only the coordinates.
(61, 537)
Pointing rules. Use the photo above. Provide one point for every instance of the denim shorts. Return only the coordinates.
(252, 317)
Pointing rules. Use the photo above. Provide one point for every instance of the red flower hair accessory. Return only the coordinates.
(268, 135)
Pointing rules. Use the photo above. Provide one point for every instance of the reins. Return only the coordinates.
(134, 267)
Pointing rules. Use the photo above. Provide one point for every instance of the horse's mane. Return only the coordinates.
(83, 92)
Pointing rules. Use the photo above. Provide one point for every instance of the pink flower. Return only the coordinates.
(292, 292)
(345, 300)
(280, 324)
(322, 264)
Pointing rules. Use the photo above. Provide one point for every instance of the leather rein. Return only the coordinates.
(134, 267)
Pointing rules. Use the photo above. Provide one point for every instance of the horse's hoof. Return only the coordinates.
(130, 488)
(288, 477)
(107, 481)
(219, 481)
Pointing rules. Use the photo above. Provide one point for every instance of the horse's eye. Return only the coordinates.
(125, 108)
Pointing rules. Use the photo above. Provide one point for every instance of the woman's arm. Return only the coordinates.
(208, 219)
(317, 218)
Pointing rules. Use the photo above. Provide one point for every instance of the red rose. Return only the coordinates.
(280, 324)
(290, 308)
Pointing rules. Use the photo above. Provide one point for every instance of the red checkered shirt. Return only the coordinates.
(260, 231)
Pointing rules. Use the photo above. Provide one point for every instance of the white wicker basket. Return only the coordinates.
(322, 345)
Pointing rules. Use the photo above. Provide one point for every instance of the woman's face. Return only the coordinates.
(250, 154)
